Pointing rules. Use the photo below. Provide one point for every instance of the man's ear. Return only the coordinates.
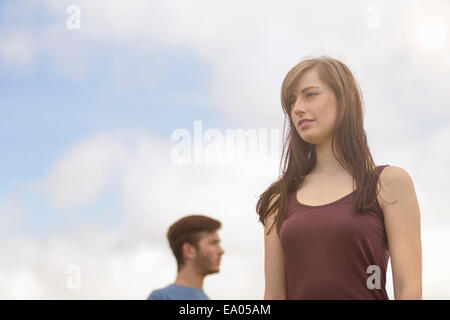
(188, 250)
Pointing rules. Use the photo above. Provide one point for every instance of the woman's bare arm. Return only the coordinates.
(402, 221)
(273, 262)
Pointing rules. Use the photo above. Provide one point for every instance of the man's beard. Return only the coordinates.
(206, 266)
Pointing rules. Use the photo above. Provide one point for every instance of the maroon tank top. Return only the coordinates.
(332, 252)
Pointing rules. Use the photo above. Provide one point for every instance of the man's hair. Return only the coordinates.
(188, 229)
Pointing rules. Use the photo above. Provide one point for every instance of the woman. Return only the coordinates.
(338, 217)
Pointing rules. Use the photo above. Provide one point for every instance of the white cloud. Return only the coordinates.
(436, 278)
(112, 266)
(12, 215)
(16, 48)
(84, 171)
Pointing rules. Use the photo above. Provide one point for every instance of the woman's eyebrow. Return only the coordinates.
(304, 89)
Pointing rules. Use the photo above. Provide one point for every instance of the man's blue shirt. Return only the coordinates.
(177, 292)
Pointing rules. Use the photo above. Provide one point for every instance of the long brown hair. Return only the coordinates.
(349, 143)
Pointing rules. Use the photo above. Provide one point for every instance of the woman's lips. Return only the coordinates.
(305, 124)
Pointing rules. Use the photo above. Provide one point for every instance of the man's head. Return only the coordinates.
(195, 243)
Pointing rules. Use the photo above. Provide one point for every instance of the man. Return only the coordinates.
(195, 245)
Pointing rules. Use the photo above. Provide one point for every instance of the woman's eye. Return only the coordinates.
(311, 94)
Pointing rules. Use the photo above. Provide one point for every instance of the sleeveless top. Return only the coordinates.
(333, 253)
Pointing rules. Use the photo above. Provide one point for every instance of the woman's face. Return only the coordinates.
(312, 99)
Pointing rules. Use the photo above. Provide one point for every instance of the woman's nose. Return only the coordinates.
(296, 107)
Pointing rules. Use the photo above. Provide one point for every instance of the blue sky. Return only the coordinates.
(43, 110)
